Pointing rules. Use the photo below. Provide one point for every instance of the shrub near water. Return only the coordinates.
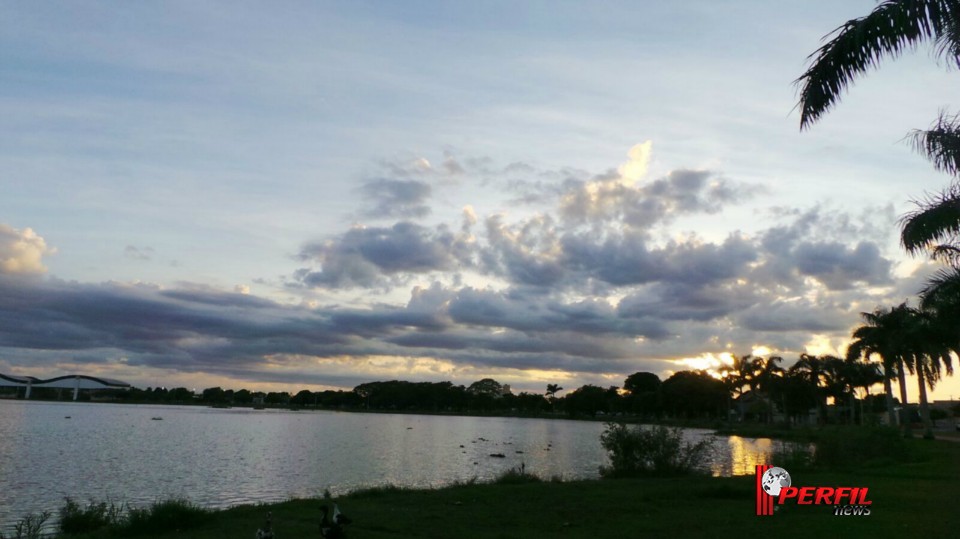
(123, 521)
(166, 515)
(655, 450)
(75, 519)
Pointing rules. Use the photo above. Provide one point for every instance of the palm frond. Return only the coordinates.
(860, 44)
(940, 143)
(935, 221)
(948, 42)
(941, 293)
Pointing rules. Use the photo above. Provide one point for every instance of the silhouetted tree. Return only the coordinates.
(694, 394)
(588, 400)
(644, 393)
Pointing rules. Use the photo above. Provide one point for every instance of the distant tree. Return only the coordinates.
(552, 390)
(589, 400)
(214, 395)
(180, 394)
(694, 394)
(487, 386)
(243, 396)
(642, 382)
(530, 402)
(304, 398)
(277, 397)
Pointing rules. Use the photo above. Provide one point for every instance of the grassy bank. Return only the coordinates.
(913, 498)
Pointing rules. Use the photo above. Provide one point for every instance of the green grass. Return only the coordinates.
(912, 499)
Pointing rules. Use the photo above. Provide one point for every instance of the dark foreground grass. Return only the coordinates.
(916, 499)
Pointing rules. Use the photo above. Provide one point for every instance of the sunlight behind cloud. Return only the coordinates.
(710, 362)
(636, 167)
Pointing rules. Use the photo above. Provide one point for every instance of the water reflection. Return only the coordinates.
(224, 457)
(746, 453)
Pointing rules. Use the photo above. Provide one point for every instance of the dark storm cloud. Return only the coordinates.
(839, 267)
(628, 260)
(800, 315)
(390, 199)
(678, 301)
(202, 330)
(169, 327)
(524, 254)
(810, 246)
(369, 256)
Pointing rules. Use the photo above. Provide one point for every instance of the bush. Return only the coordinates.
(29, 527)
(656, 450)
(858, 446)
(75, 519)
(515, 476)
(166, 515)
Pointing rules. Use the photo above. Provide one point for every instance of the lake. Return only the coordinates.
(225, 457)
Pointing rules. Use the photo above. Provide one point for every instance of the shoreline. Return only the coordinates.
(906, 496)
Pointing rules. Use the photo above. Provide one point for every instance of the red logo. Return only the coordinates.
(774, 483)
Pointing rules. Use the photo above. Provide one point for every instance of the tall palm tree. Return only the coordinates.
(741, 372)
(810, 369)
(932, 341)
(766, 374)
(878, 337)
(862, 375)
(858, 46)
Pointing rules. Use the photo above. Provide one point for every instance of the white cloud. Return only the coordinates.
(22, 251)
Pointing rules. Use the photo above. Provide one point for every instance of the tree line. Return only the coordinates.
(748, 388)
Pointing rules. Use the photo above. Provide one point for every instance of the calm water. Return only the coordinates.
(224, 457)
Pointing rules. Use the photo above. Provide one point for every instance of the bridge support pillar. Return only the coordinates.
(26, 394)
(76, 387)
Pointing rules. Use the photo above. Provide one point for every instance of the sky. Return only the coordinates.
(314, 195)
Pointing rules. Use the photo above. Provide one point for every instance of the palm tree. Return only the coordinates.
(859, 44)
(878, 336)
(736, 375)
(863, 375)
(932, 341)
(766, 374)
(739, 373)
(810, 369)
(836, 381)
(934, 227)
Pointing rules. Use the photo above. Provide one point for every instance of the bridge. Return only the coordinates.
(76, 382)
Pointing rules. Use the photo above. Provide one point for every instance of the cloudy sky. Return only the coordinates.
(320, 194)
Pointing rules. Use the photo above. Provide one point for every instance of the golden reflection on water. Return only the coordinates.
(745, 454)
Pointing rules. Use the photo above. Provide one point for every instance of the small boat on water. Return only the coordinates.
(156, 418)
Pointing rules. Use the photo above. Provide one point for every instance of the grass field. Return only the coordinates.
(915, 499)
